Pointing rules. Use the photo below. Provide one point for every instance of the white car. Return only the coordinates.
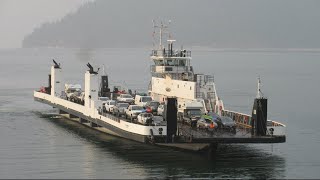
(109, 105)
(101, 102)
(126, 98)
(145, 118)
(133, 111)
(160, 110)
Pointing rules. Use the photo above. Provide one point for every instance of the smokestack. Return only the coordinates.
(171, 118)
(259, 117)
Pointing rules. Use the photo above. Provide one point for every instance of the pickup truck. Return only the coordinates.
(133, 111)
(126, 98)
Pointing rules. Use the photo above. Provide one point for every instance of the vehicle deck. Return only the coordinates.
(189, 134)
(186, 134)
(243, 135)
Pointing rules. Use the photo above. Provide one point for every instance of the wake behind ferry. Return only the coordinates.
(181, 109)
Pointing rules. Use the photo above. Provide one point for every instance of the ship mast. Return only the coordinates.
(162, 27)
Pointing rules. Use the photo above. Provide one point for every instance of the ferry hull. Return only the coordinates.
(104, 127)
(199, 144)
(101, 125)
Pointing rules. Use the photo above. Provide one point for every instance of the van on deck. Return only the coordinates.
(142, 100)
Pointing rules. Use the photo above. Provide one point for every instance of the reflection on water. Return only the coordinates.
(241, 161)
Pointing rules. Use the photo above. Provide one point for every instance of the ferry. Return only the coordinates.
(174, 84)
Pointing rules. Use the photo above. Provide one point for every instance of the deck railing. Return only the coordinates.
(244, 121)
(168, 53)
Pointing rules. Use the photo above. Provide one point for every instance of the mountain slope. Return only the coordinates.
(215, 23)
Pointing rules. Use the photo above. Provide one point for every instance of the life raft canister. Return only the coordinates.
(211, 125)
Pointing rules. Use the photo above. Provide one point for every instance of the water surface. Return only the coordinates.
(36, 144)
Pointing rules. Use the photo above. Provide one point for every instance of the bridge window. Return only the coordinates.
(158, 62)
(170, 62)
(182, 62)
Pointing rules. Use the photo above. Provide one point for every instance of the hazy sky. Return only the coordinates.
(20, 17)
(272, 23)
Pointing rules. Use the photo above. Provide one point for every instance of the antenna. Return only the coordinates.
(153, 33)
(162, 27)
(103, 70)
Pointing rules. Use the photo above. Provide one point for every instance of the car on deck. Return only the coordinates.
(152, 107)
(103, 98)
(160, 110)
(126, 98)
(206, 124)
(109, 105)
(190, 116)
(142, 100)
(133, 111)
(120, 108)
(145, 118)
(227, 124)
(101, 102)
(190, 113)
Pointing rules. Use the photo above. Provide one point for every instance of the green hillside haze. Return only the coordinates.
(213, 23)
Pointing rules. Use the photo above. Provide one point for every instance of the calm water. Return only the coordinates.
(34, 144)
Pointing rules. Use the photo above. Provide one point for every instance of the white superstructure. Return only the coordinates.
(173, 76)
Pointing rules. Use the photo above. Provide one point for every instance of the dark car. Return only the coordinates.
(227, 124)
(152, 107)
(190, 116)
